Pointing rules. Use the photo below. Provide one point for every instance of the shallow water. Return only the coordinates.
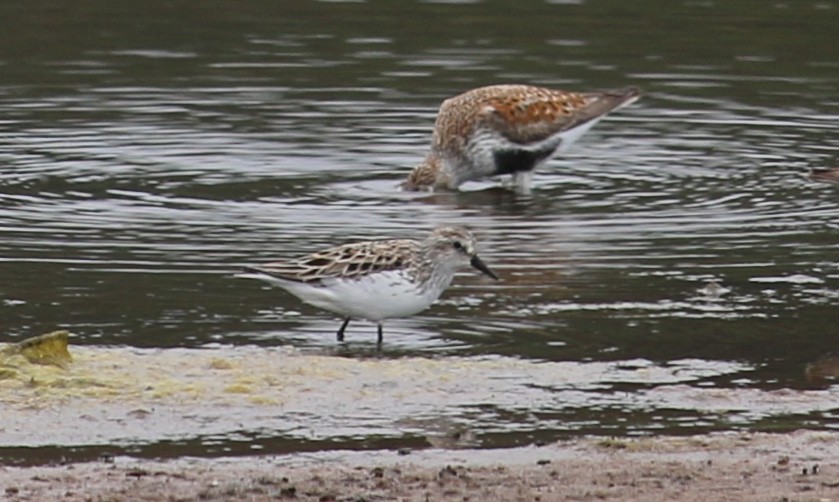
(147, 152)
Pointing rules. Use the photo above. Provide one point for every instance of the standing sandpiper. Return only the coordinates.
(376, 280)
(508, 129)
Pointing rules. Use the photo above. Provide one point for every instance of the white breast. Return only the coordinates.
(375, 297)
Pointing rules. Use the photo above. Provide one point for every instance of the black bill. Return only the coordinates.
(477, 263)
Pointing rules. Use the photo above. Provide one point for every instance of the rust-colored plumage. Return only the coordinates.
(507, 129)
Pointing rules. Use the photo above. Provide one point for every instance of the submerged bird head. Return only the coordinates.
(428, 176)
(456, 245)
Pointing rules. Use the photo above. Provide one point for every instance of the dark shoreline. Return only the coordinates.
(803, 465)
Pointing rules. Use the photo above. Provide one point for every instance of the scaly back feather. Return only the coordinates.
(347, 261)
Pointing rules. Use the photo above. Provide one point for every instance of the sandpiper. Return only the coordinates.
(825, 175)
(508, 129)
(376, 280)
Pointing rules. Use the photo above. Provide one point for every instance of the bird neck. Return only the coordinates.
(434, 273)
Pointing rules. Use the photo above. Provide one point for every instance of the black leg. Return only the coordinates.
(380, 337)
(342, 328)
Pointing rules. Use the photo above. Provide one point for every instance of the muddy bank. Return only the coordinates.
(797, 466)
(186, 402)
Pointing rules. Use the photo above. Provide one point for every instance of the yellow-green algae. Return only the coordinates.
(39, 370)
(108, 394)
(50, 349)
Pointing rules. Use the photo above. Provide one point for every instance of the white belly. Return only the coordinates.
(381, 296)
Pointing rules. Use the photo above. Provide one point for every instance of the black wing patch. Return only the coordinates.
(513, 161)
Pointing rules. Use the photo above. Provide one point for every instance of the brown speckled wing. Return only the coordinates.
(525, 114)
(347, 261)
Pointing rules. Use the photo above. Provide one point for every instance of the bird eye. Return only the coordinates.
(457, 245)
